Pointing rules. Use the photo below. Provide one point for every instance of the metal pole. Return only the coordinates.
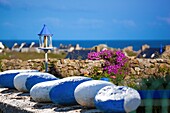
(46, 62)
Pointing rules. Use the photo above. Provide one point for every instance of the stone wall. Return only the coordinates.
(60, 68)
(13, 101)
(147, 67)
(66, 67)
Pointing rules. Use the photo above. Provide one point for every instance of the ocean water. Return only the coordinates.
(91, 43)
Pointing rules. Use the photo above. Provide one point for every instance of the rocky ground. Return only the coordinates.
(17, 102)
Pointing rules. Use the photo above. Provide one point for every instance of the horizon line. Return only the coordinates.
(91, 39)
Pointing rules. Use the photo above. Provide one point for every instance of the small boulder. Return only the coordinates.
(40, 91)
(37, 77)
(86, 91)
(117, 99)
(7, 77)
(63, 91)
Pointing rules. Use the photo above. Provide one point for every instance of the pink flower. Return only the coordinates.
(113, 77)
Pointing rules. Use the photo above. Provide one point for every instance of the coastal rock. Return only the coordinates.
(86, 91)
(63, 91)
(117, 99)
(7, 77)
(38, 77)
(40, 91)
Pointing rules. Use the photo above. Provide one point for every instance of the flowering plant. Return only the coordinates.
(115, 67)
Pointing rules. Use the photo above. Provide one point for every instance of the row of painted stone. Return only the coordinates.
(44, 87)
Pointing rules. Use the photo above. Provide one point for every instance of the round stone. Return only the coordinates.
(86, 91)
(19, 82)
(40, 91)
(37, 77)
(63, 91)
(117, 99)
(7, 77)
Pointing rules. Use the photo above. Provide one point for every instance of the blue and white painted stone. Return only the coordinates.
(117, 99)
(38, 77)
(86, 91)
(7, 77)
(63, 92)
(40, 91)
(20, 80)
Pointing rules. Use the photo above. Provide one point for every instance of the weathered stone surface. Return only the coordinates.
(71, 72)
(66, 67)
(37, 77)
(63, 91)
(40, 91)
(161, 61)
(141, 66)
(153, 61)
(76, 72)
(135, 61)
(117, 99)
(86, 91)
(151, 71)
(13, 101)
(7, 77)
(133, 71)
(137, 69)
(162, 65)
(168, 62)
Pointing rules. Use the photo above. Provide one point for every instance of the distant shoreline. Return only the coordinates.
(91, 43)
(88, 40)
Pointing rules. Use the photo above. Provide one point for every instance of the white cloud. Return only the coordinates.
(127, 23)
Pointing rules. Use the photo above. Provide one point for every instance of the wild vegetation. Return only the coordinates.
(131, 53)
(29, 55)
(116, 65)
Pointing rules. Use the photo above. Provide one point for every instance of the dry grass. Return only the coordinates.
(29, 55)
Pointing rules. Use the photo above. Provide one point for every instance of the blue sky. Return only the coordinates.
(86, 19)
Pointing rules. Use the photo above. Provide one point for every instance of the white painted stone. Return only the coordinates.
(7, 77)
(117, 99)
(63, 91)
(40, 92)
(37, 77)
(86, 91)
(19, 82)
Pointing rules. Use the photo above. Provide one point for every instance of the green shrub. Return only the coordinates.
(164, 70)
(131, 53)
(155, 83)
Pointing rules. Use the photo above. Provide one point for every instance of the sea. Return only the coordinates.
(119, 44)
